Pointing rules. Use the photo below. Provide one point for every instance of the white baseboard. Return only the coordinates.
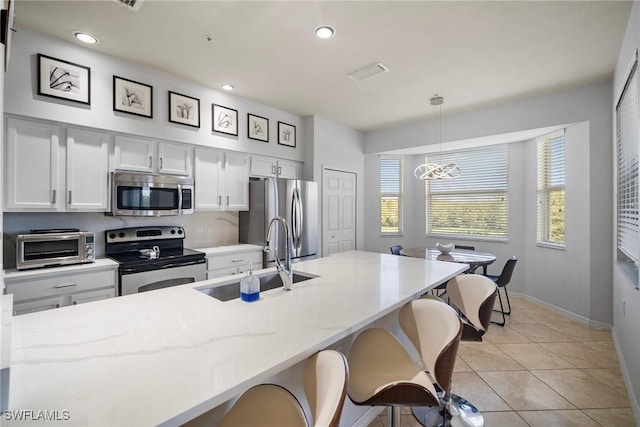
(565, 313)
(633, 399)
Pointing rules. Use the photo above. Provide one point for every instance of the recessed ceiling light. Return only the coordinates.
(228, 86)
(208, 38)
(85, 37)
(324, 32)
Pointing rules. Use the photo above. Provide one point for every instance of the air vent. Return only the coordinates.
(367, 72)
(130, 4)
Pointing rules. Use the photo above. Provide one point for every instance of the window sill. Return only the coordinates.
(630, 271)
(556, 246)
(391, 234)
(461, 238)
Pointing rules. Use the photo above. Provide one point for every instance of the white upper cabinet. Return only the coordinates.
(221, 180)
(87, 170)
(269, 167)
(32, 166)
(146, 155)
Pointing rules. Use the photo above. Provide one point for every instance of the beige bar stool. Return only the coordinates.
(473, 295)
(269, 405)
(381, 371)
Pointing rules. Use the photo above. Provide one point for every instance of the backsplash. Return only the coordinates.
(203, 229)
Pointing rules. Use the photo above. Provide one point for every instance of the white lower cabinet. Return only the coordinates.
(232, 260)
(60, 286)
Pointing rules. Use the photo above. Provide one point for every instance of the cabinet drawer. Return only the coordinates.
(235, 259)
(222, 272)
(60, 284)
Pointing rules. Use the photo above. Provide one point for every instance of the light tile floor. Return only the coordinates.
(540, 369)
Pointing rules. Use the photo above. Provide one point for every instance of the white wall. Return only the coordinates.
(626, 299)
(575, 280)
(335, 146)
(22, 99)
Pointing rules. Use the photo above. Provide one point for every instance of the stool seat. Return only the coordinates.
(265, 405)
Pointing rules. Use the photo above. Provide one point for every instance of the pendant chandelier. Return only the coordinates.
(433, 171)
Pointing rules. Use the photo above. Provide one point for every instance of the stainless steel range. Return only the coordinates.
(153, 258)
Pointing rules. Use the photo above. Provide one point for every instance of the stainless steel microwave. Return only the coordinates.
(138, 194)
(48, 248)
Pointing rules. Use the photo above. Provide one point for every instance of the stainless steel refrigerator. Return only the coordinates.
(294, 200)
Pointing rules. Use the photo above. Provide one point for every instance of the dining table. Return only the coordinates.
(464, 256)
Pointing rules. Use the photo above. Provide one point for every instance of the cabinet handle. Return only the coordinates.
(69, 196)
(69, 285)
(227, 200)
(75, 302)
(273, 169)
(219, 200)
(58, 305)
(160, 162)
(279, 170)
(53, 196)
(150, 161)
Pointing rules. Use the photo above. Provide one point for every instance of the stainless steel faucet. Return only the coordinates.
(285, 272)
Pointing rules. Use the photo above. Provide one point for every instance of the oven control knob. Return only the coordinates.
(180, 231)
(173, 231)
(112, 235)
(121, 234)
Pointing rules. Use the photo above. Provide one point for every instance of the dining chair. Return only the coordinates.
(502, 281)
(395, 249)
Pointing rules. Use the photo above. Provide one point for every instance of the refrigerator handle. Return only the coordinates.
(297, 218)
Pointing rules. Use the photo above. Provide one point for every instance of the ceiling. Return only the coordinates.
(476, 53)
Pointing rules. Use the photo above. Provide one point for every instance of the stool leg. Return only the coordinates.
(454, 410)
(394, 416)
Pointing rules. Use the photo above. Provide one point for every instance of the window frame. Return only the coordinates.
(544, 189)
(474, 157)
(399, 195)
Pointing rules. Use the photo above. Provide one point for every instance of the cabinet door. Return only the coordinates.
(263, 166)
(87, 170)
(174, 159)
(289, 170)
(236, 176)
(81, 298)
(208, 171)
(39, 305)
(32, 165)
(134, 154)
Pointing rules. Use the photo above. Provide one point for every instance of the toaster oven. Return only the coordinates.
(48, 248)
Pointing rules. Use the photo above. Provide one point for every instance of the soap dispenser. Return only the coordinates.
(250, 287)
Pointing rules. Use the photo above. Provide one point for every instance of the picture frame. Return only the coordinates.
(184, 109)
(132, 97)
(286, 134)
(224, 119)
(257, 128)
(62, 79)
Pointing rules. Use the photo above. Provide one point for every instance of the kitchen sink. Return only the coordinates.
(267, 281)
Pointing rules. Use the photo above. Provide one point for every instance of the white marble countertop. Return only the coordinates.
(164, 357)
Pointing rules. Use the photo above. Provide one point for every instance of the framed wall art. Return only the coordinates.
(64, 80)
(286, 134)
(132, 97)
(184, 109)
(258, 128)
(225, 120)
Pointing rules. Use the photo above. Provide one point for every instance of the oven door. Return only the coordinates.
(162, 278)
(40, 250)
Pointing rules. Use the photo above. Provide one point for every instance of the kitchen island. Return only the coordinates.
(167, 356)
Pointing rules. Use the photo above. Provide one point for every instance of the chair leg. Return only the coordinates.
(508, 302)
(501, 311)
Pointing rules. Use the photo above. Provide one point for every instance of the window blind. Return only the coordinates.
(627, 140)
(551, 188)
(390, 195)
(475, 203)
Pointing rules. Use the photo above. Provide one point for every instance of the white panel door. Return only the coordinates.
(87, 170)
(236, 176)
(174, 159)
(32, 166)
(208, 173)
(339, 211)
(134, 154)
